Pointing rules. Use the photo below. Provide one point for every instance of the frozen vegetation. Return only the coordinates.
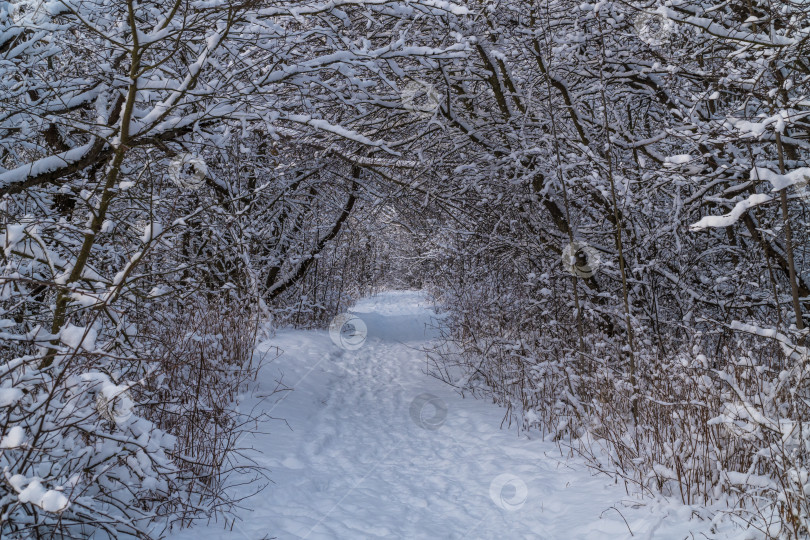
(224, 225)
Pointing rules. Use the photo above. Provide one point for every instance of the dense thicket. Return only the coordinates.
(630, 268)
(609, 199)
(172, 174)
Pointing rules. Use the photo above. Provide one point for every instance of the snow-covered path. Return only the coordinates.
(377, 449)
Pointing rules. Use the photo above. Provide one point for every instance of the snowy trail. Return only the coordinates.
(357, 462)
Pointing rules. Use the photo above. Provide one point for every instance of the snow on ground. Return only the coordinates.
(377, 449)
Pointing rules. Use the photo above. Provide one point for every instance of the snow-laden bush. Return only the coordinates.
(724, 426)
(71, 461)
(98, 444)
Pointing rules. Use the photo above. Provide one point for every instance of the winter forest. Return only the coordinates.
(605, 205)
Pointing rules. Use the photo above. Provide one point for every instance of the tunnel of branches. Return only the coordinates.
(608, 201)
